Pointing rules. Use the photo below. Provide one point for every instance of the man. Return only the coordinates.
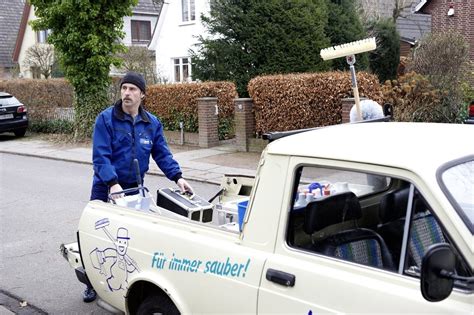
(122, 133)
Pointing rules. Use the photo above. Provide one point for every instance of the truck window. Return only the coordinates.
(361, 218)
(457, 180)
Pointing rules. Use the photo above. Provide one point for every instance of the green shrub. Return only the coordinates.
(385, 59)
(226, 128)
(52, 126)
(174, 103)
(413, 98)
(443, 58)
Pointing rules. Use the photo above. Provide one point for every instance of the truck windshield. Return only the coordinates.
(459, 183)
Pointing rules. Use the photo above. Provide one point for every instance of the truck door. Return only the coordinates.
(356, 249)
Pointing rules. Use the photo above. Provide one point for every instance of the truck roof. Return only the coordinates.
(397, 144)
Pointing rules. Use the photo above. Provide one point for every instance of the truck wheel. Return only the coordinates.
(157, 304)
(20, 132)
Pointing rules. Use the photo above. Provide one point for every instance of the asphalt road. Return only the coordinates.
(40, 206)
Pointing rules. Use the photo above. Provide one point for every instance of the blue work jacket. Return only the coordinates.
(118, 140)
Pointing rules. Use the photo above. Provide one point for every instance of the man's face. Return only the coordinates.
(131, 97)
(121, 245)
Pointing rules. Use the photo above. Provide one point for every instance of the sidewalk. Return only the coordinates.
(204, 165)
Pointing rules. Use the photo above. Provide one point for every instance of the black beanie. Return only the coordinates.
(134, 78)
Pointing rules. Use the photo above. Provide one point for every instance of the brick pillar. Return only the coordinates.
(346, 105)
(208, 122)
(244, 122)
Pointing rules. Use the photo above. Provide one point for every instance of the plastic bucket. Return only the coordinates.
(242, 207)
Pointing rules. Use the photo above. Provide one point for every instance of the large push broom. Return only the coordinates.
(349, 50)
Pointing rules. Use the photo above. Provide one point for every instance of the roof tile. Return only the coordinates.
(10, 17)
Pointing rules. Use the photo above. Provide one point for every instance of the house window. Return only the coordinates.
(42, 36)
(182, 69)
(141, 32)
(188, 10)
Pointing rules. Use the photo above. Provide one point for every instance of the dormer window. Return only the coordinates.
(188, 10)
(141, 32)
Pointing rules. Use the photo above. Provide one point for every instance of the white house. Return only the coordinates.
(177, 31)
(27, 37)
(139, 29)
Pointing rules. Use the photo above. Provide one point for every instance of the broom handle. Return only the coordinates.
(356, 92)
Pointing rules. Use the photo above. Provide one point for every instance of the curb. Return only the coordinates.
(10, 304)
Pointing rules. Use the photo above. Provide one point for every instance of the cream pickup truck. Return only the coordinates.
(354, 218)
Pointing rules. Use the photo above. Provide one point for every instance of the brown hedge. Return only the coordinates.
(166, 101)
(296, 101)
(42, 97)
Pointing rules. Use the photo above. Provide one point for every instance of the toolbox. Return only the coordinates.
(192, 206)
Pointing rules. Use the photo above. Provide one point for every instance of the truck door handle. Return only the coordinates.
(280, 277)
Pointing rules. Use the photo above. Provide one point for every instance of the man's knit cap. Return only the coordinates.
(135, 79)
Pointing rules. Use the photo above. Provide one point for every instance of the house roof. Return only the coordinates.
(412, 25)
(148, 7)
(21, 32)
(420, 5)
(409, 24)
(10, 17)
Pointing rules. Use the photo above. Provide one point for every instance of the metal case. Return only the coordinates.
(194, 207)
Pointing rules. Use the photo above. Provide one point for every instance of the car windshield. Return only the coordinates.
(459, 181)
(8, 100)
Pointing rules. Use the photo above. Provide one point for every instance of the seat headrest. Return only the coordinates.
(331, 210)
(393, 206)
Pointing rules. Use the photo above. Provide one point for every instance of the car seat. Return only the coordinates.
(424, 230)
(359, 245)
(392, 212)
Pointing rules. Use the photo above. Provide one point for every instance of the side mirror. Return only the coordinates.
(437, 264)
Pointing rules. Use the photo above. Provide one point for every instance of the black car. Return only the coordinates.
(13, 116)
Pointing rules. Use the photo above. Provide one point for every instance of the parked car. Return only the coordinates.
(470, 113)
(13, 115)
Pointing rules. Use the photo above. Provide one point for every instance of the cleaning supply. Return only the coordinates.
(349, 51)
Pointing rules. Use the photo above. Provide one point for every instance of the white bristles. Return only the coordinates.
(348, 49)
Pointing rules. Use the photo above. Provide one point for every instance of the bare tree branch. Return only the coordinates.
(140, 59)
(377, 9)
(40, 56)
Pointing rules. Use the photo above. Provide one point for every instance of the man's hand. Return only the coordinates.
(116, 188)
(184, 186)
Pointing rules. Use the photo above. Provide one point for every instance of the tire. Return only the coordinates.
(157, 304)
(20, 132)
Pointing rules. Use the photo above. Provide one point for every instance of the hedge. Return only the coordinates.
(178, 102)
(43, 98)
(296, 101)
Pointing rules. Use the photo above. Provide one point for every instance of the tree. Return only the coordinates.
(443, 57)
(385, 59)
(140, 59)
(41, 57)
(253, 37)
(376, 9)
(86, 33)
(344, 26)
